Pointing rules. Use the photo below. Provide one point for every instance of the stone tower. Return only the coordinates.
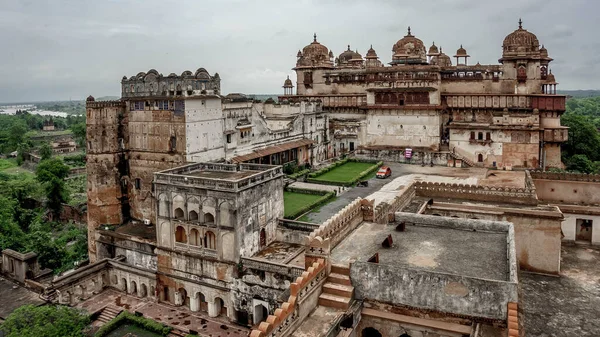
(106, 165)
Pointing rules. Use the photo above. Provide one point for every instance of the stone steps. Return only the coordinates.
(339, 279)
(334, 301)
(177, 333)
(108, 314)
(338, 289)
(339, 269)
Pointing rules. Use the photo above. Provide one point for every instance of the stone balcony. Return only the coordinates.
(540, 102)
(557, 135)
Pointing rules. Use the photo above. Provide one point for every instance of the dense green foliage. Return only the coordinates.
(23, 226)
(581, 153)
(45, 321)
(20, 128)
(52, 173)
(126, 317)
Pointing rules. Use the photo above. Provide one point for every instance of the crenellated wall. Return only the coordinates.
(567, 188)
(523, 196)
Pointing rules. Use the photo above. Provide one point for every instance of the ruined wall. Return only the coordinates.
(105, 166)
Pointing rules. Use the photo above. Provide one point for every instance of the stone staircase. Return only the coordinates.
(338, 292)
(465, 160)
(108, 314)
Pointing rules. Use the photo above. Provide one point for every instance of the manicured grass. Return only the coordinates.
(345, 173)
(293, 202)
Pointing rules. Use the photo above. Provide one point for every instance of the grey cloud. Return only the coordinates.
(71, 48)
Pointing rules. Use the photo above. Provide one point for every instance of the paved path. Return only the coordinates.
(318, 187)
(387, 189)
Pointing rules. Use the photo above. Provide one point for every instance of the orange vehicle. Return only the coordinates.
(384, 172)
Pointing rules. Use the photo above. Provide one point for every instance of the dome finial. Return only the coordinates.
(408, 30)
(371, 46)
(315, 37)
(520, 23)
(348, 47)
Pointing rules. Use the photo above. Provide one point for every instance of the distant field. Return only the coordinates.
(345, 173)
(9, 166)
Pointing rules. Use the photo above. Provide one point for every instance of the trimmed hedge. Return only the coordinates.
(298, 174)
(126, 317)
(305, 191)
(363, 174)
(321, 201)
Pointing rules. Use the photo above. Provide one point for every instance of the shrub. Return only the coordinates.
(299, 174)
(362, 174)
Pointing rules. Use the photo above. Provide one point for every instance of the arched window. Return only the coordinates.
(472, 134)
(208, 217)
(480, 136)
(193, 215)
(195, 237)
(480, 158)
(180, 235)
(178, 213)
(488, 136)
(210, 241)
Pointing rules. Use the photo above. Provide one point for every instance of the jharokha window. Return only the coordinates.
(210, 240)
(180, 235)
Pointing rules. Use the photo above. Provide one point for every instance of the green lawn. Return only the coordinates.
(345, 173)
(293, 201)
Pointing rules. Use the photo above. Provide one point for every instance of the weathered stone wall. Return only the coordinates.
(567, 188)
(434, 291)
(418, 156)
(476, 192)
(403, 128)
(339, 225)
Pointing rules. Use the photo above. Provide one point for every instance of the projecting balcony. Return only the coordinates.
(556, 135)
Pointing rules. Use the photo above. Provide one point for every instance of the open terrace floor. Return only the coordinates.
(568, 305)
(460, 252)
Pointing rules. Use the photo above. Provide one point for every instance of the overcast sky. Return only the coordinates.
(61, 49)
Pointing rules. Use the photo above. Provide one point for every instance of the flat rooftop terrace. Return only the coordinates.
(217, 176)
(480, 254)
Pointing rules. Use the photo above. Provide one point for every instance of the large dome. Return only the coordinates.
(409, 50)
(520, 43)
(314, 55)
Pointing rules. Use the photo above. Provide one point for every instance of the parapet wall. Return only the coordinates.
(104, 104)
(433, 290)
(383, 210)
(523, 196)
(336, 228)
(304, 293)
(595, 178)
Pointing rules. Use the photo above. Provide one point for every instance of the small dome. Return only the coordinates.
(299, 54)
(348, 55)
(124, 78)
(543, 51)
(550, 79)
(314, 55)
(433, 49)
(441, 59)
(461, 52)
(371, 54)
(520, 42)
(330, 54)
(288, 83)
(90, 99)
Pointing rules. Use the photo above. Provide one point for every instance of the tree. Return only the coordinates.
(17, 133)
(79, 131)
(52, 173)
(45, 151)
(21, 150)
(45, 321)
(581, 163)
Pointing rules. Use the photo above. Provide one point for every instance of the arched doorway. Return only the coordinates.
(143, 290)
(123, 284)
(371, 332)
(263, 238)
(183, 297)
(133, 290)
(221, 308)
